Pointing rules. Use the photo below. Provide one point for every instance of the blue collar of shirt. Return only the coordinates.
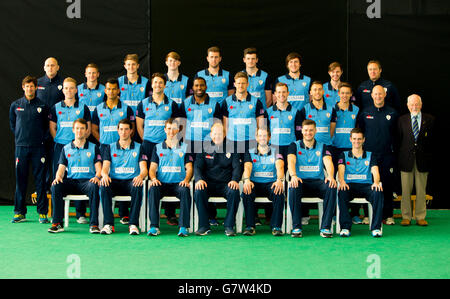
(302, 144)
(86, 145)
(165, 101)
(179, 78)
(288, 108)
(194, 102)
(178, 145)
(86, 87)
(119, 104)
(330, 87)
(324, 107)
(132, 145)
(299, 78)
(219, 74)
(350, 107)
(76, 104)
(247, 99)
(139, 80)
(259, 154)
(258, 73)
(350, 155)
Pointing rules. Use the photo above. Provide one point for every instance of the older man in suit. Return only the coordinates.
(415, 155)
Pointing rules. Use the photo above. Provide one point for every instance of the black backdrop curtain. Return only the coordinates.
(410, 39)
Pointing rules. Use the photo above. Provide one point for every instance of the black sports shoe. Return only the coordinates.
(229, 231)
(249, 231)
(202, 231)
(56, 228)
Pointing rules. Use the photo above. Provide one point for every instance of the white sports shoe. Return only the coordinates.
(365, 220)
(107, 230)
(344, 233)
(82, 220)
(390, 221)
(134, 230)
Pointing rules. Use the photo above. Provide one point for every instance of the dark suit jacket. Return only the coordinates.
(409, 149)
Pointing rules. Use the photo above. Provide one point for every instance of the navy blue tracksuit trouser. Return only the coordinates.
(215, 189)
(169, 189)
(263, 190)
(375, 198)
(34, 155)
(121, 188)
(316, 188)
(74, 186)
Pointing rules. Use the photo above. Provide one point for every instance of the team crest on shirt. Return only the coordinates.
(388, 117)
(366, 163)
(228, 155)
(39, 109)
(59, 87)
(99, 94)
(250, 106)
(166, 108)
(353, 116)
(181, 86)
(121, 113)
(77, 112)
(260, 82)
(88, 154)
(272, 159)
(42, 160)
(224, 80)
(142, 89)
(328, 115)
(318, 153)
(210, 110)
(181, 155)
(304, 84)
(134, 154)
(290, 117)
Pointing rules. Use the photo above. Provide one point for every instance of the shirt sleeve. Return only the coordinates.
(140, 111)
(52, 115)
(326, 151)
(247, 158)
(218, 112)
(182, 110)
(106, 152)
(142, 155)
(130, 114)
(155, 158)
(199, 165)
(62, 158)
(95, 119)
(236, 164)
(86, 113)
(373, 160)
(12, 117)
(298, 126)
(341, 159)
(98, 156)
(188, 158)
(268, 83)
(292, 150)
(224, 109)
(259, 111)
(333, 116)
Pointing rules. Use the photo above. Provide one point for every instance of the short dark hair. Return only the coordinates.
(81, 121)
(308, 122)
(291, 56)
(125, 121)
(159, 75)
(173, 120)
(112, 81)
(356, 131)
(29, 79)
(250, 51)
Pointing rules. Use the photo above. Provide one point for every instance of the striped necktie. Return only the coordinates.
(415, 127)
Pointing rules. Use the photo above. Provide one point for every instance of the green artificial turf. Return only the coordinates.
(28, 251)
